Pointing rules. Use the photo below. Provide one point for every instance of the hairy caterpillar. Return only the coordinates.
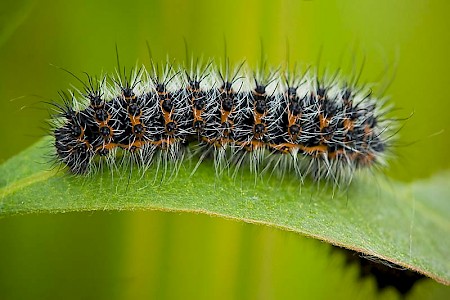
(282, 120)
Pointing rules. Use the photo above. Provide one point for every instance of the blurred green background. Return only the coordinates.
(161, 255)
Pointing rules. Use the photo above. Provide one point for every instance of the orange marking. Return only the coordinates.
(224, 118)
(258, 117)
(104, 123)
(335, 154)
(315, 150)
(284, 147)
(107, 146)
(198, 114)
(164, 143)
(127, 98)
(348, 124)
(292, 119)
(81, 136)
(224, 115)
(135, 120)
(294, 137)
(167, 115)
(324, 122)
(218, 143)
(197, 117)
(252, 145)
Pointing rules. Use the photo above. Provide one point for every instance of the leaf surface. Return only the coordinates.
(403, 223)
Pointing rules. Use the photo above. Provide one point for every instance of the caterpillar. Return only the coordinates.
(322, 127)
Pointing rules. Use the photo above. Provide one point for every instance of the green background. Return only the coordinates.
(115, 255)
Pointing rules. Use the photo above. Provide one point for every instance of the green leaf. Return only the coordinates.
(406, 224)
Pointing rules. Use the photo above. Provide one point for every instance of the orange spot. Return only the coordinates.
(323, 122)
(81, 136)
(284, 147)
(348, 124)
(167, 115)
(258, 117)
(336, 154)
(224, 115)
(292, 119)
(127, 98)
(198, 114)
(315, 150)
(134, 119)
(224, 118)
(218, 143)
(252, 145)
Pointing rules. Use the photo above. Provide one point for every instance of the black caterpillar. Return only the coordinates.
(276, 120)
